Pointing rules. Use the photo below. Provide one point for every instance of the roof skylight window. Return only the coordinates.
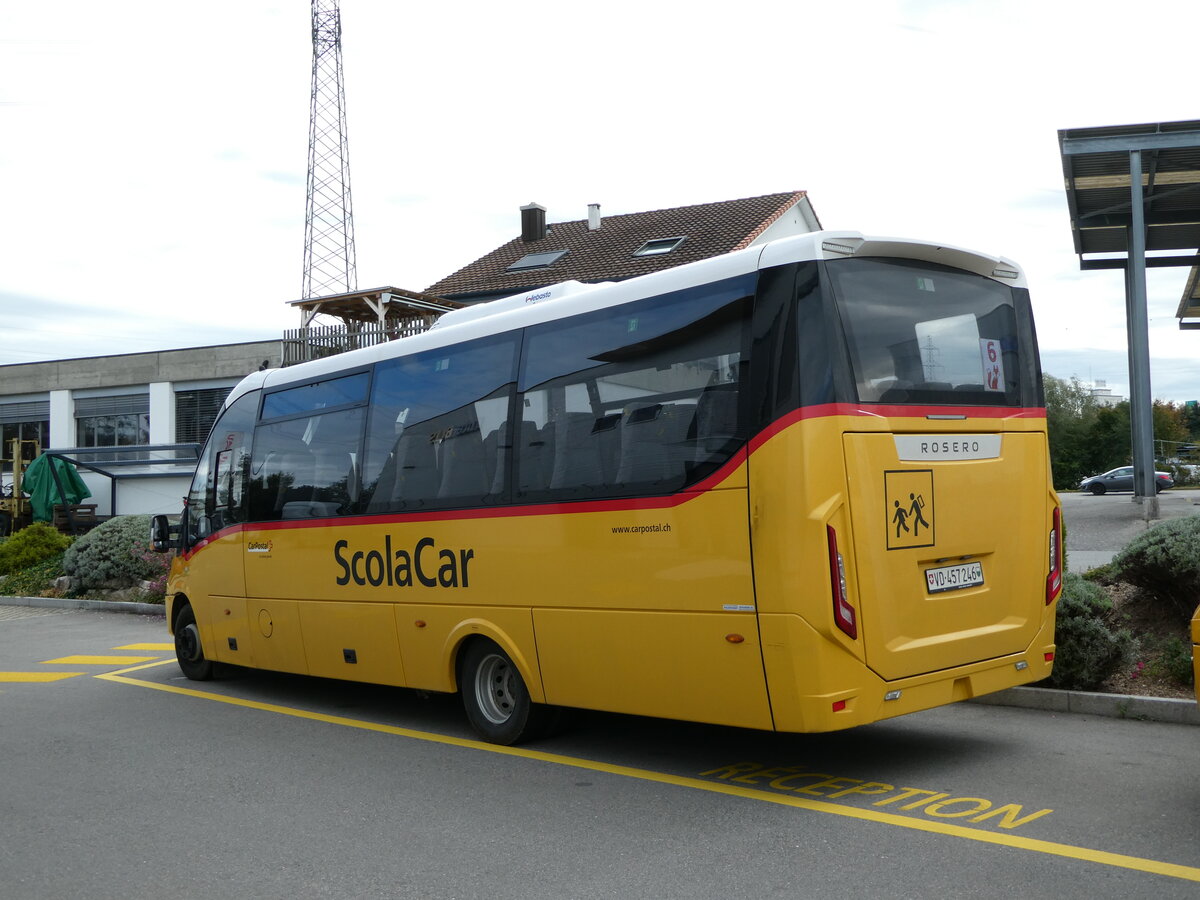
(658, 246)
(537, 260)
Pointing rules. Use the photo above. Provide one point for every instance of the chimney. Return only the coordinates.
(593, 217)
(533, 222)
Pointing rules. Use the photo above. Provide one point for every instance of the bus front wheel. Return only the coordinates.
(188, 650)
(495, 697)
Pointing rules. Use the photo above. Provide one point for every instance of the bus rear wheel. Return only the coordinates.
(496, 699)
(188, 650)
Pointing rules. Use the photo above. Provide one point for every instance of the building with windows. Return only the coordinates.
(1103, 394)
(134, 399)
(172, 396)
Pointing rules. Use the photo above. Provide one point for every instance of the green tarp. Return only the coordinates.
(39, 484)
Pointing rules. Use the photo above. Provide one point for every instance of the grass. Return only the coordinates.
(35, 581)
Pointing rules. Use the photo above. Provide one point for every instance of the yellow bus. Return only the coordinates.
(1196, 653)
(803, 486)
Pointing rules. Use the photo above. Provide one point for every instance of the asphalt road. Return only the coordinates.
(1097, 527)
(121, 779)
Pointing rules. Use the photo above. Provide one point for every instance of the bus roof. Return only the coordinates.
(573, 297)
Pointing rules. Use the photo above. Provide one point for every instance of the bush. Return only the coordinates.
(30, 546)
(34, 581)
(1088, 650)
(116, 554)
(1173, 661)
(1165, 560)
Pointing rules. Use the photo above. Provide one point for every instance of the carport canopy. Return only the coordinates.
(1134, 190)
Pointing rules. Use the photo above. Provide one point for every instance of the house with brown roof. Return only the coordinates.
(615, 248)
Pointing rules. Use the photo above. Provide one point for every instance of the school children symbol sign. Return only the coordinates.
(908, 501)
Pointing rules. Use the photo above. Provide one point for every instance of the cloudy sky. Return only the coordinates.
(152, 171)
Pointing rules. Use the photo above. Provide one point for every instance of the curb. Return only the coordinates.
(1114, 706)
(125, 606)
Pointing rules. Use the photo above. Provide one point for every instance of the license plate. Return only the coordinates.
(954, 578)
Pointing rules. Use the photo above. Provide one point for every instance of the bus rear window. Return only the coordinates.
(929, 335)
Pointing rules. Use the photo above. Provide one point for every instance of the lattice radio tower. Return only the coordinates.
(329, 263)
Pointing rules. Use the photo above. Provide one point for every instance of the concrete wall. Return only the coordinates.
(191, 364)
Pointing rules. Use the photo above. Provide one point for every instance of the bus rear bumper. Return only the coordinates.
(816, 685)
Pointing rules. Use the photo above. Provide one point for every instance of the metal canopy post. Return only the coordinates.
(1141, 415)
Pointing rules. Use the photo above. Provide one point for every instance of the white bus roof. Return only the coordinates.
(573, 297)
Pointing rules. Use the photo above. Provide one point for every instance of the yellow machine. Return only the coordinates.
(15, 511)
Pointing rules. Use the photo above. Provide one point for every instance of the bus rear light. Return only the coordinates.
(843, 613)
(1054, 579)
(1049, 656)
(839, 705)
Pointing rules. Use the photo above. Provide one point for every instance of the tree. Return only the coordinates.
(1071, 412)
(1170, 427)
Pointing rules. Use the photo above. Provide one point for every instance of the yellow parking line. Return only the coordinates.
(95, 660)
(146, 647)
(1117, 860)
(16, 677)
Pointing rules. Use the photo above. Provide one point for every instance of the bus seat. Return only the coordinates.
(463, 469)
(651, 436)
(416, 476)
(715, 423)
(531, 458)
(295, 470)
(494, 445)
(577, 460)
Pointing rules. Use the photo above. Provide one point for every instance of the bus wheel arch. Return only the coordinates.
(495, 694)
(189, 650)
(476, 629)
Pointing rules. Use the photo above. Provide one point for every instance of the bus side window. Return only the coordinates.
(218, 493)
(437, 436)
(304, 467)
(638, 398)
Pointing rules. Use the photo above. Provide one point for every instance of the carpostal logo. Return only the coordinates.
(425, 564)
(259, 546)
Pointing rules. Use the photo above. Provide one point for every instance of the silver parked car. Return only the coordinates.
(1122, 480)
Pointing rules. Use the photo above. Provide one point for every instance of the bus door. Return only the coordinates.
(950, 546)
(215, 515)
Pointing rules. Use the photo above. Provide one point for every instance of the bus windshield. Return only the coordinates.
(919, 333)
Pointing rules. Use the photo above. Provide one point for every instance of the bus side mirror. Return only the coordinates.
(160, 534)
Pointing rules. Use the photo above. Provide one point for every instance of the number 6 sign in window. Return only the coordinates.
(993, 365)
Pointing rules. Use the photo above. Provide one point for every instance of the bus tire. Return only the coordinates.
(495, 697)
(188, 650)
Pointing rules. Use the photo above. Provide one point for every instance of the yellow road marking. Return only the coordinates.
(95, 660)
(146, 647)
(36, 676)
(1052, 848)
